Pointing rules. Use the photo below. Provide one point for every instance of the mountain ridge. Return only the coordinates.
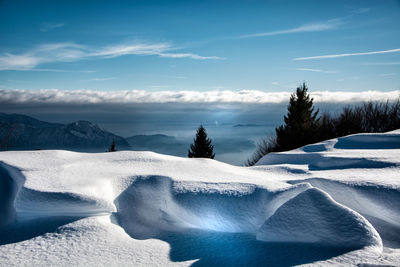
(22, 132)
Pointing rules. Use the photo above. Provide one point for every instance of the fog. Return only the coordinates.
(235, 128)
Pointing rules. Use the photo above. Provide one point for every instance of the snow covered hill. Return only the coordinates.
(331, 203)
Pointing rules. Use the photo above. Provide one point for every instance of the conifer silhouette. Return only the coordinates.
(112, 147)
(301, 122)
(201, 147)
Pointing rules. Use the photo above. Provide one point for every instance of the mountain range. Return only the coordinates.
(21, 132)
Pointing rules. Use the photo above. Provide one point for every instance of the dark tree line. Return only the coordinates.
(303, 126)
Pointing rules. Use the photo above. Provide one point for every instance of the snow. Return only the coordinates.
(300, 220)
(331, 203)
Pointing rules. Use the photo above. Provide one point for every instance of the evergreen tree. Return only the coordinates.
(201, 147)
(112, 147)
(301, 123)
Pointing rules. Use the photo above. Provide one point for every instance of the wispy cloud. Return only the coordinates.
(214, 96)
(67, 52)
(350, 54)
(188, 55)
(381, 63)
(312, 27)
(349, 78)
(99, 79)
(317, 70)
(57, 70)
(50, 26)
(361, 10)
(387, 74)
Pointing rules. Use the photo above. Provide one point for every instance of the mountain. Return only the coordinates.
(20, 132)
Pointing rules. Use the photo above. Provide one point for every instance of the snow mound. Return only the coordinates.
(300, 214)
(379, 204)
(370, 141)
(359, 151)
(156, 204)
(314, 217)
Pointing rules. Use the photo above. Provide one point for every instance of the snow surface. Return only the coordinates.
(331, 203)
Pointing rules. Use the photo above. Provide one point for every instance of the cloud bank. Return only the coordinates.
(55, 96)
(67, 52)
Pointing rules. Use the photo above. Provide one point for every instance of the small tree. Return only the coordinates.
(301, 123)
(112, 147)
(201, 147)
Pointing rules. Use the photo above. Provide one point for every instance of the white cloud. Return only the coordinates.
(131, 49)
(350, 54)
(316, 70)
(187, 55)
(313, 27)
(99, 79)
(361, 10)
(50, 26)
(215, 96)
(66, 52)
(387, 74)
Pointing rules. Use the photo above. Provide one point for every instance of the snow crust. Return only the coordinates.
(335, 202)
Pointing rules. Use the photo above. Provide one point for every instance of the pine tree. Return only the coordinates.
(201, 147)
(112, 147)
(301, 123)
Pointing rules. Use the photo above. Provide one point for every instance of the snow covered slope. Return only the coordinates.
(335, 202)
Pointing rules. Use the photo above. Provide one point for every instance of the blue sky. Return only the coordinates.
(269, 46)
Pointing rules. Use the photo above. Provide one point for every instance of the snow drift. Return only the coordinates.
(314, 217)
(152, 205)
(331, 202)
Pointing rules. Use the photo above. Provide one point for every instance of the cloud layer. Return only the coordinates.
(67, 52)
(56, 96)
